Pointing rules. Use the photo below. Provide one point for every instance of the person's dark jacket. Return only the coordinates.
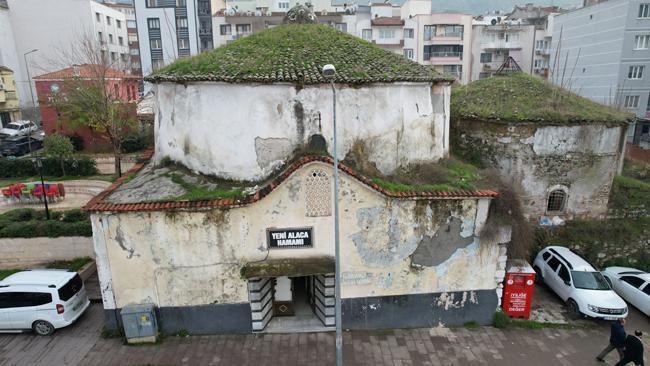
(634, 349)
(617, 335)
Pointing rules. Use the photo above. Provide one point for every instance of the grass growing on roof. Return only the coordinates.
(525, 98)
(296, 53)
(198, 193)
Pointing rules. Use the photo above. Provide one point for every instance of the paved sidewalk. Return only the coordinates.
(81, 344)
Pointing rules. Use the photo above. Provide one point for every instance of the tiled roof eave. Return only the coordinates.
(304, 81)
(98, 203)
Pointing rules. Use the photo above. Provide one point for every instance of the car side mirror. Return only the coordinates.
(568, 283)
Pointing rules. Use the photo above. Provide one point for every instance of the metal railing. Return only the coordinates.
(429, 55)
(429, 37)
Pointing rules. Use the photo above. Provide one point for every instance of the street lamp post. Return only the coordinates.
(329, 71)
(39, 164)
(31, 92)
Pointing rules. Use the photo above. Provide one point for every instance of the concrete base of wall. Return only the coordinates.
(404, 311)
(202, 319)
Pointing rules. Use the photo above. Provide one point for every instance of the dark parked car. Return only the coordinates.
(19, 145)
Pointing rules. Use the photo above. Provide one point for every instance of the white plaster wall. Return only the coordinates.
(245, 131)
(27, 252)
(196, 256)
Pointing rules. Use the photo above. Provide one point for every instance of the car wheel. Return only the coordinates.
(538, 276)
(42, 328)
(574, 310)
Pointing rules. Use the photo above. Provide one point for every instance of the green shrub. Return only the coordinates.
(78, 166)
(29, 223)
(134, 143)
(472, 324)
(73, 265)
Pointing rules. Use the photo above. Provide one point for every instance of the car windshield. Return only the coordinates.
(12, 126)
(589, 280)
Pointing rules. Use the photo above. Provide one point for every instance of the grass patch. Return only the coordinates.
(4, 273)
(629, 193)
(30, 223)
(525, 98)
(73, 265)
(11, 181)
(197, 193)
(472, 324)
(637, 171)
(502, 321)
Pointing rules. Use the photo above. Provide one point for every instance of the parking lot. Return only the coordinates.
(82, 344)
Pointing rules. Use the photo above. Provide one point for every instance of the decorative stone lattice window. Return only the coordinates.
(318, 194)
(556, 201)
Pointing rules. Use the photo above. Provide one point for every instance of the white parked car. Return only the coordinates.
(41, 300)
(632, 284)
(577, 283)
(19, 128)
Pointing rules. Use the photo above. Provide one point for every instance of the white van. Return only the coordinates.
(42, 300)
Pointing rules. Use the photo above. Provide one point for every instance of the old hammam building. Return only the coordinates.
(227, 226)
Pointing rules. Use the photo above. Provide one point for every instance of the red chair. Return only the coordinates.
(16, 191)
(38, 191)
(52, 192)
(61, 190)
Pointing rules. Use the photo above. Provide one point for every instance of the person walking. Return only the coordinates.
(616, 340)
(633, 350)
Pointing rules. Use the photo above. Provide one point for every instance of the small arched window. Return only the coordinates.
(556, 200)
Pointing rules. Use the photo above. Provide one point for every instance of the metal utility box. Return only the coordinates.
(139, 323)
(518, 289)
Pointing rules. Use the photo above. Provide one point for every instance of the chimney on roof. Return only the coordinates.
(75, 70)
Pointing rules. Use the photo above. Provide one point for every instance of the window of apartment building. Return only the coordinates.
(631, 101)
(108, 20)
(100, 37)
(113, 56)
(120, 41)
(152, 3)
(134, 51)
(343, 27)
(118, 23)
(103, 55)
(386, 33)
(243, 28)
(180, 3)
(131, 24)
(644, 10)
(181, 23)
(153, 23)
(540, 45)
(225, 29)
(157, 64)
(455, 70)
(155, 44)
(183, 43)
(283, 5)
(486, 57)
(635, 72)
(98, 17)
(641, 42)
(133, 38)
(429, 32)
(408, 53)
(135, 64)
(110, 39)
(539, 63)
(453, 30)
(366, 34)
(409, 33)
(123, 57)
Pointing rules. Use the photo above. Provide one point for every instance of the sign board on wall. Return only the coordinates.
(290, 238)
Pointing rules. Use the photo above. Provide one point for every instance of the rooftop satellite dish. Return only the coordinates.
(494, 22)
(258, 13)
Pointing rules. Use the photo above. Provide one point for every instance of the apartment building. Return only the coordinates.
(9, 69)
(603, 54)
(172, 29)
(495, 39)
(132, 35)
(47, 44)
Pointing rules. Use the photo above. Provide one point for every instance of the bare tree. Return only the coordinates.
(94, 97)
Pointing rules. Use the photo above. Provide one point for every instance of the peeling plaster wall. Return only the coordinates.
(193, 258)
(245, 131)
(537, 158)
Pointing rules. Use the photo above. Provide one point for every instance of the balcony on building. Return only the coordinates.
(443, 54)
(443, 34)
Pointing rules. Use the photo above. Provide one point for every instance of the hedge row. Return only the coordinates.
(30, 223)
(78, 166)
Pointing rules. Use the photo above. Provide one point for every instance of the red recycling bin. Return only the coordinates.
(518, 289)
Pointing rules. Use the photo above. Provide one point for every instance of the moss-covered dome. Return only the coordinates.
(520, 97)
(296, 53)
